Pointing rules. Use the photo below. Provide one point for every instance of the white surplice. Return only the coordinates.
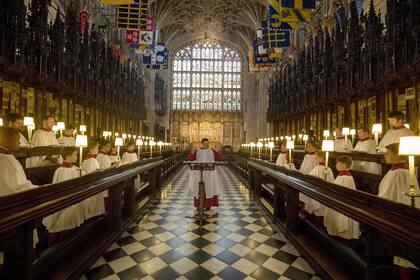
(41, 138)
(92, 206)
(114, 158)
(308, 163)
(281, 159)
(129, 157)
(312, 205)
(70, 217)
(209, 177)
(366, 146)
(392, 187)
(104, 161)
(23, 142)
(338, 224)
(340, 145)
(68, 141)
(13, 180)
(393, 136)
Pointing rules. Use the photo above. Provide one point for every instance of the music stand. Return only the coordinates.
(201, 166)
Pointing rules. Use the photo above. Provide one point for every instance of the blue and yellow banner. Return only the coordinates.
(287, 18)
(298, 4)
(274, 38)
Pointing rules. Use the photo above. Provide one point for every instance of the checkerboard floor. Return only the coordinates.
(238, 243)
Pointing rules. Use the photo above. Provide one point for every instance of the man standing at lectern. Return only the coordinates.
(207, 155)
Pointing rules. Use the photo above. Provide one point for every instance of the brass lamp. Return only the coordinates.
(410, 146)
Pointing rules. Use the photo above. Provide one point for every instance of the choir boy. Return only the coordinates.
(15, 121)
(366, 145)
(336, 223)
(325, 173)
(115, 158)
(103, 156)
(310, 159)
(12, 176)
(130, 156)
(93, 206)
(62, 222)
(396, 122)
(340, 142)
(44, 137)
(68, 137)
(393, 186)
(205, 154)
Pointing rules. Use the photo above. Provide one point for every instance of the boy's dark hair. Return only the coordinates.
(130, 143)
(104, 143)
(46, 117)
(67, 151)
(320, 154)
(70, 127)
(12, 117)
(204, 140)
(345, 159)
(394, 148)
(365, 129)
(312, 143)
(400, 116)
(91, 144)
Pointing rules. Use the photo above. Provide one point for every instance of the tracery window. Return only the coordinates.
(207, 76)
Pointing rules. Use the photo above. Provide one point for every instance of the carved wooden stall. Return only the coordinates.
(352, 74)
(67, 259)
(388, 229)
(49, 68)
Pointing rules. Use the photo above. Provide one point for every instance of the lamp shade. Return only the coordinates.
(407, 125)
(326, 133)
(55, 128)
(352, 131)
(293, 137)
(409, 145)
(290, 145)
(135, 136)
(82, 128)
(300, 136)
(328, 145)
(346, 131)
(116, 134)
(277, 138)
(124, 136)
(81, 141)
(377, 128)
(252, 144)
(139, 142)
(27, 121)
(61, 126)
(160, 143)
(129, 135)
(119, 141)
(105, 133)
(305, 137)
(152, 143)
(271, 145)
(1, 121)
(259, 145)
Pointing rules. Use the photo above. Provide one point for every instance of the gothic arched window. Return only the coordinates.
(206, 77)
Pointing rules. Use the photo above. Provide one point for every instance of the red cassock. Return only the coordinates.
(213, 200)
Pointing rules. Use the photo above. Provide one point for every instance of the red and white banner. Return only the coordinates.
(132, 36)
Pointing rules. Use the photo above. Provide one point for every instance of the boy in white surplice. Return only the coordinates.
(205, 154)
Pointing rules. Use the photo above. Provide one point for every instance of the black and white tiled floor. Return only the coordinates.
(237, 244)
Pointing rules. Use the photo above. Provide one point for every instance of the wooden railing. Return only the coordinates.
(388, 228)
(21, 213)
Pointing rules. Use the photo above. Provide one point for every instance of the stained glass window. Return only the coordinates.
(207, 76)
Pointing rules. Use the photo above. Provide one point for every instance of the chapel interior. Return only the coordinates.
(210, 139)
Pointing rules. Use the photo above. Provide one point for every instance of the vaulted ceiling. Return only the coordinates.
(230, 21)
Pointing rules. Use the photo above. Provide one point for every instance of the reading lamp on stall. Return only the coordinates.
(346, 132)
(271, 146)
(305, 139)
(327, 146)
(290, 145)
(151, 144)
(61, 126)
(82, 129)
(376, 129)
(353, 134)
(139, 144)
(118, 143)
(160, 143)
(29, 123)
(326, 134)
(252, 147)
(259, 146)
(81, 142)
(410, 146)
